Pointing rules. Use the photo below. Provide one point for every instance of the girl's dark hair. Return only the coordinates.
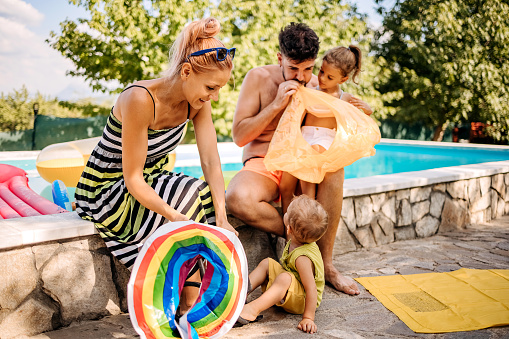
(347, 59)
(298, 42)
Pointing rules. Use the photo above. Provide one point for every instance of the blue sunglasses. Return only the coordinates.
(221, 53)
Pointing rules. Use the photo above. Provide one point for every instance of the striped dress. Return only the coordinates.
(102, 196)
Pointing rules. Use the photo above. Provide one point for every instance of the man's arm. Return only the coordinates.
(249, 121)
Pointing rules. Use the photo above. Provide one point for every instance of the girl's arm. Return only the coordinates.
(206, 141)
(358, 103)
(305, 268)
(137, 114)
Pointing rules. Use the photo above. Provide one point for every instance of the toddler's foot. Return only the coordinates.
(248, 313)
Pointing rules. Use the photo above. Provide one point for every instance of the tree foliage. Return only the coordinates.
(126, 41)
(446, 62)
(17, 109)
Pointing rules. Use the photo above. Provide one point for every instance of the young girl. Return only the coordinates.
(296, 283)
(338, 65)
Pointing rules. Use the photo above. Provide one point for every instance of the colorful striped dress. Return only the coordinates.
(102, 196)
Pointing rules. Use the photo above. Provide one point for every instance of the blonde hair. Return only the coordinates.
(196, 36)
(307, 219)
(347, 59)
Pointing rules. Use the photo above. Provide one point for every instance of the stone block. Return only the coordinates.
(478, 217)
(19, 277)
(506, 209)
(389, 209)
(485, 183)
(30, 318)
(82, 283)
(404, 233)
(497, 183)
(454, 215)
(383, 229)
(427, 226)
(344, 242)
(403, 194)
(365, 237)
(494, 203)
(506, 179)
(500, 208)
(481, 204)
(256, 245)
(419, 194)
(439, 187)
(473, 190)
(43, 252)
(121, 276)
(348, 214)
(378, 200)
(404, 213)
(419, 210)
(363, 210)
(457, 189)
(437, 203)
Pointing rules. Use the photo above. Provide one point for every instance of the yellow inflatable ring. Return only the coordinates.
(66, 161)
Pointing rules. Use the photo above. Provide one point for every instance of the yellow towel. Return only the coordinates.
(463, 300)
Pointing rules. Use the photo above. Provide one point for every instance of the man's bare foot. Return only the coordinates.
(248, 313)
(340, 282)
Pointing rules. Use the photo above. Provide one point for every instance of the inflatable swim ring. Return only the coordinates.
(17, 199)
(66, 161)
(159, 273)
(356, 136)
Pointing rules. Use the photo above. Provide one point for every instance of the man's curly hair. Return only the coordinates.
(298, 42)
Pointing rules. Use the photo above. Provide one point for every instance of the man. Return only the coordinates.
(265, 93)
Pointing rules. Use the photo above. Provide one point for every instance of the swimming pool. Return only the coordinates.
(392, 156)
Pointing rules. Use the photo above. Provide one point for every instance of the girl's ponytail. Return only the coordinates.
(358, 62)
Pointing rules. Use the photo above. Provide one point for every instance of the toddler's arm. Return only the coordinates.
(306, 273)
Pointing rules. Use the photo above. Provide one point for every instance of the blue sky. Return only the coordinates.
(26, 59)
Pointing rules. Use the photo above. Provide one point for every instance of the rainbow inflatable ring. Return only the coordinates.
(159, 274)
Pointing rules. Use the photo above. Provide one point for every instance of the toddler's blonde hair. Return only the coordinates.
(307, 219)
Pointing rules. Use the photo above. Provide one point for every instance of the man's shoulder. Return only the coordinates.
(263, 73)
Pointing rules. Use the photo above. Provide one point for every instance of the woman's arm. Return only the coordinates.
(305, 268)
(137, 113)
(206, 141)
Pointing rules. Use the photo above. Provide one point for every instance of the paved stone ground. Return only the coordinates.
(340, 316)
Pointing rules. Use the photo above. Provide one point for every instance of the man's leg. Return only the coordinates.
(247, 198)
(330, 195)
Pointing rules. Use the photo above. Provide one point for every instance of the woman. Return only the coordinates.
(124, 188)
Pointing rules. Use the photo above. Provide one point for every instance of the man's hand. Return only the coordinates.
(307, 325)
(284, 93)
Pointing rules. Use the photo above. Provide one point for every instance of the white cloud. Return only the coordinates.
(20, 11)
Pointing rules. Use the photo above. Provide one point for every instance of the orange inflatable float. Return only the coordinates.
(17, 199)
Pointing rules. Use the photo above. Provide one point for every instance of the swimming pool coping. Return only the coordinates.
(33, 230)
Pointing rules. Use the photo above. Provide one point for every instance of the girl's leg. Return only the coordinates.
(309, 188)
(275, 293)
(287, 189)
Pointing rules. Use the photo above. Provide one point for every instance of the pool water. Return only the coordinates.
(389, 158)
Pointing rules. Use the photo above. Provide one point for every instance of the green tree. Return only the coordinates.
(446, 62)
(126, 41)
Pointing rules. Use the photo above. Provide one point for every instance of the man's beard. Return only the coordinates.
(303, 82)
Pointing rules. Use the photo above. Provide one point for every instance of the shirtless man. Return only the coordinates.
(265, 93)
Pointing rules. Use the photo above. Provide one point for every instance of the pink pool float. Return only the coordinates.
(17, 199)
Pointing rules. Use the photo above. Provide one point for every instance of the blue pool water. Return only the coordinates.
(389, 158)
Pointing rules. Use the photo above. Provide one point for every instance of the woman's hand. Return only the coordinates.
(307, 325)
(177, 216)
(223, 223)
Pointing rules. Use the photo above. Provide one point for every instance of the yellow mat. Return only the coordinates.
(463, 300)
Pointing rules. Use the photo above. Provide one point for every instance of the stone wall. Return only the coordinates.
(50, 285)
(381, 218)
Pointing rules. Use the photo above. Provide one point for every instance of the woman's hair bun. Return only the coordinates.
(211, 28)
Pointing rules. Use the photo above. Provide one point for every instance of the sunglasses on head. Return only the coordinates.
(221, 52)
